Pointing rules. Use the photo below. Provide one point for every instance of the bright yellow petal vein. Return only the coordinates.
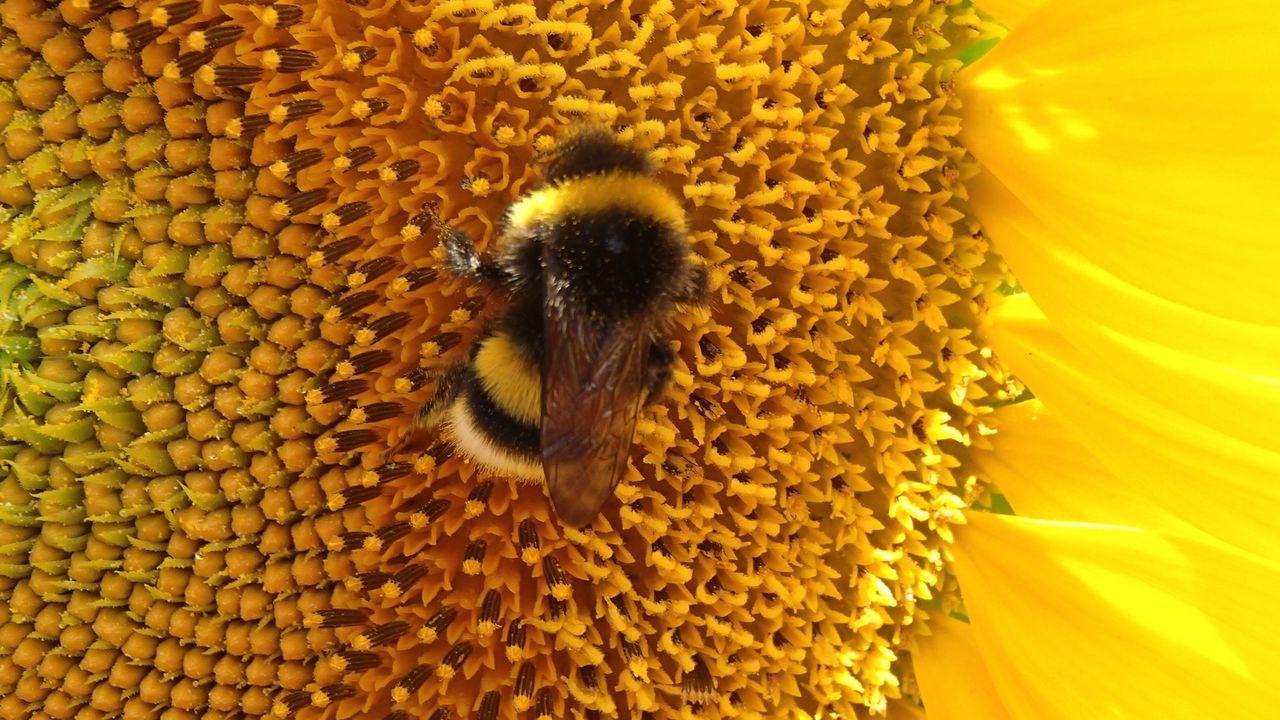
(1144, 132)
(1065, 613)
(1010, 12)
(1214, 481)
(1222, 372)
(953, 676)
(1047, 474)
(1076, 292)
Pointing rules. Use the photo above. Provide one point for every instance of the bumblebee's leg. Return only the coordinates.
(696, 286)
(417, 438)
(463, 260)
(658, 370)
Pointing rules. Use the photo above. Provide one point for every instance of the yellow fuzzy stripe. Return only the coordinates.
(594, 194)
(510, 379)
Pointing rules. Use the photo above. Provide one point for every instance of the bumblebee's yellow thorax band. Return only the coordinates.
(594, 194)
(510, 378)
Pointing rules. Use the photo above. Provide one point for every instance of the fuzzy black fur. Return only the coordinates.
(613, 266)
(594, 149)
(514, 435)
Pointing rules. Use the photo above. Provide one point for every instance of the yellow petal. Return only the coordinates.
(1144, 136)
(904, 710)
(1092, 621)
(1074, 290)
(1225, 373)
(1213, 481)
(1010, 12)
(1045, 473)
(953, 676)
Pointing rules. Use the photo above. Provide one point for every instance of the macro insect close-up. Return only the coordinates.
(639, 360)
(591, 264)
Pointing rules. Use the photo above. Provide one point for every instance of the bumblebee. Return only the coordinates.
(592, 264)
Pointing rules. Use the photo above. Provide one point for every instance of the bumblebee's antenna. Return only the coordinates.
(429, 216)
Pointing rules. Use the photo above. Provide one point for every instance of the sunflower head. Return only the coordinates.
(223, 297)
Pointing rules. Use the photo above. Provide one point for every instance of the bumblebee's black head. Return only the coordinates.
(609, 235)
(592, 149)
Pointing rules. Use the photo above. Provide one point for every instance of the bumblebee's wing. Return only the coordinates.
(592, 385)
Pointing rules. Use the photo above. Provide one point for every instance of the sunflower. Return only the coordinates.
(221, 296)
(1124, 183)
